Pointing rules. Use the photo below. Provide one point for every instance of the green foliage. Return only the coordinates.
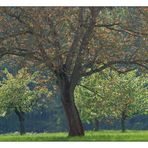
(109, 94)
(92, 101)
(129, 93)
(15, 91)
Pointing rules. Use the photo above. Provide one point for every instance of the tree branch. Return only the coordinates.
(129, 31)
(18, 52)
(95, 92)
(77, 37)
(84, 43)
(104, 66)
(10, 35)
(121, 29)
(107, 25)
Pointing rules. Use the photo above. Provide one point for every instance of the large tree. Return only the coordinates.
(75, 42)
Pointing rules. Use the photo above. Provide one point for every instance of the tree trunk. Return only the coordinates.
(21, 117)
(123, 118)
(74, 121)
(96, 124)
(67, 96)
(72, 114)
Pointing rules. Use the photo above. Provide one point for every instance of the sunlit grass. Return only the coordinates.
(89, 136)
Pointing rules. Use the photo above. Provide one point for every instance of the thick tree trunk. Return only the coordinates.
(67, 87)
(72, 114)
(21, 117)
(74, 121)
(123, 118)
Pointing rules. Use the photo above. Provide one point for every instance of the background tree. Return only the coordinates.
(110, 94)
(75, 42)
(129, 95)
(15, 95)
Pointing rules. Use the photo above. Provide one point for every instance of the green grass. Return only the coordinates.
(89, 136)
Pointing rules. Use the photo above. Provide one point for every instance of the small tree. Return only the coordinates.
(15, 95)
(112, 94)
(129, 95)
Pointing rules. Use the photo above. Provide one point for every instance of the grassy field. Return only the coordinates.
(89, 136)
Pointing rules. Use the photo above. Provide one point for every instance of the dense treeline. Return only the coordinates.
(36, 121)
(56, 122)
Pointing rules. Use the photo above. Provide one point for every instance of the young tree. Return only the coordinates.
(110, 94)
(129, 95)
(15, 95)
(75, 42)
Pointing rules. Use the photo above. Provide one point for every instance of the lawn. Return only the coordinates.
(89, 136)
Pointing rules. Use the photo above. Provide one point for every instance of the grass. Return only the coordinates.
(89, 136)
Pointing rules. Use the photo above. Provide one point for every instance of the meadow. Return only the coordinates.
(109, 135)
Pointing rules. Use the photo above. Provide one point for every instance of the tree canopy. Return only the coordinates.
(16, 94)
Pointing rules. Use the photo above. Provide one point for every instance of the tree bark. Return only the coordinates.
(21, 117)
(72, 114)
(123, 118)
